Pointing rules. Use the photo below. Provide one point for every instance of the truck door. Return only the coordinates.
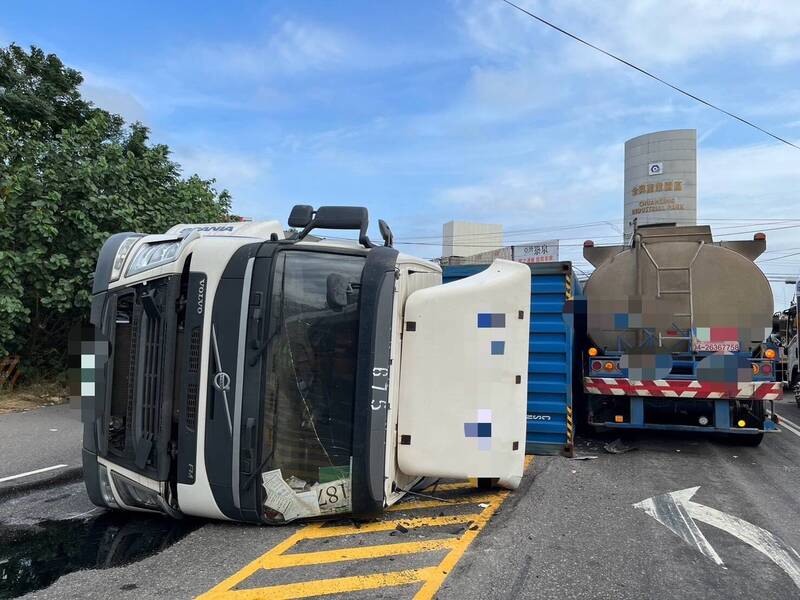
(463, 377)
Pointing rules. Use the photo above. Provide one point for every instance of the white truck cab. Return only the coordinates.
(251, 376)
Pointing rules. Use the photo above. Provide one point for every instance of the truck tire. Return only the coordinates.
(749, 440)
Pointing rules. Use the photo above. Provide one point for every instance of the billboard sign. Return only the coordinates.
(537, 252)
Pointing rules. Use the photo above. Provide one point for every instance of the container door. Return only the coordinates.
(463, 377)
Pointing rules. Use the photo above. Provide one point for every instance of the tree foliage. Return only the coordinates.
(71, 174)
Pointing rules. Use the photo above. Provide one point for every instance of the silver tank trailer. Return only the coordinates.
(671, 281)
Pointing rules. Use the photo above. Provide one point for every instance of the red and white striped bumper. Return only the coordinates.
(664, 388)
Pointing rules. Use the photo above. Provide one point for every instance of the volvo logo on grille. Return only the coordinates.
(201, 296)
(222, 381)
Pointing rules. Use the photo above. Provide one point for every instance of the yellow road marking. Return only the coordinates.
(434, 582)
(222, 587)
(441, 503)
(356, 553)
(338, 585)
(444, 487)
(431, 577)
(338, 530)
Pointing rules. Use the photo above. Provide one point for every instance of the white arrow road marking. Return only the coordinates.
(680, 520)
(670, 511)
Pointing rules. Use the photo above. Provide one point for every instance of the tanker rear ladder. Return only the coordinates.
(661, 292)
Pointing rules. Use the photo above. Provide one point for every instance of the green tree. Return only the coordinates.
(72, 174)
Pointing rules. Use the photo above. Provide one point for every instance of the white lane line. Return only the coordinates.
(792, 423)
(789, 425)
(36, 472)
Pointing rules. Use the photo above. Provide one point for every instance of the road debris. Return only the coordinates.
(401, 528)
(586, 457)
(617, 447)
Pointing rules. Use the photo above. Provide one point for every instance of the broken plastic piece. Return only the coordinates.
(617, 447)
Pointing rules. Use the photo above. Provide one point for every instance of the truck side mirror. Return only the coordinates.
(301, 215)
(386, 233)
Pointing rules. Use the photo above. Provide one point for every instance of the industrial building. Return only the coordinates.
(661, 179)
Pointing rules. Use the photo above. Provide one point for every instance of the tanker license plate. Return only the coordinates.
(700, 346)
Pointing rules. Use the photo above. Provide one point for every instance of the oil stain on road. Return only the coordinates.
(33, 556)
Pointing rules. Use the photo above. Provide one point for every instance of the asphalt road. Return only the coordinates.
(36, 440)
(570, 531)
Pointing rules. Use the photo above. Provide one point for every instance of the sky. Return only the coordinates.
(452, 109)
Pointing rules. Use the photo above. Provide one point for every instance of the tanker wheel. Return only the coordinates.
(758, 410)
(748, 440)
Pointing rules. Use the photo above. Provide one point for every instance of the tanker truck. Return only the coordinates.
(676, 330)
(243, 374)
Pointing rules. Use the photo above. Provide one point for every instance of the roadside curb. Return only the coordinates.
(68, 475)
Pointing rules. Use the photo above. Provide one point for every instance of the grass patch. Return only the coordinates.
(33, 395)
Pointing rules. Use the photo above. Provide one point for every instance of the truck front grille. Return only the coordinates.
(194, 351)
(192, 390)
(151, 376)
(192, 387)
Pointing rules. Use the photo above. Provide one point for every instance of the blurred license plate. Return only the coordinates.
(716, 346)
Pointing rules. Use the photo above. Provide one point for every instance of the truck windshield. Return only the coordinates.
(311, 368)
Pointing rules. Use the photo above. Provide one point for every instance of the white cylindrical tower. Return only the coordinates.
(661, 179)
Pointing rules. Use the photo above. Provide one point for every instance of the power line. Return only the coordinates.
(742, 222)
(477, 244)
(780, 257)
(651, 75)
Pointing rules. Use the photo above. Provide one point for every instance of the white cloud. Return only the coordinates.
(571, 181)
(644, 31)
(230, 169)
(293, 47)
(510, 194)
(113, 96)
(759, 180)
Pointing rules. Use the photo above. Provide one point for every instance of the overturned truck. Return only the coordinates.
(249, 375)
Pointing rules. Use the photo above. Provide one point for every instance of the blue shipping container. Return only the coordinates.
(551, 355)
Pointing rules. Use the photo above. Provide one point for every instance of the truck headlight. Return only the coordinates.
(154, 254)
(119, 258)
(134, 494)
(105, 487)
